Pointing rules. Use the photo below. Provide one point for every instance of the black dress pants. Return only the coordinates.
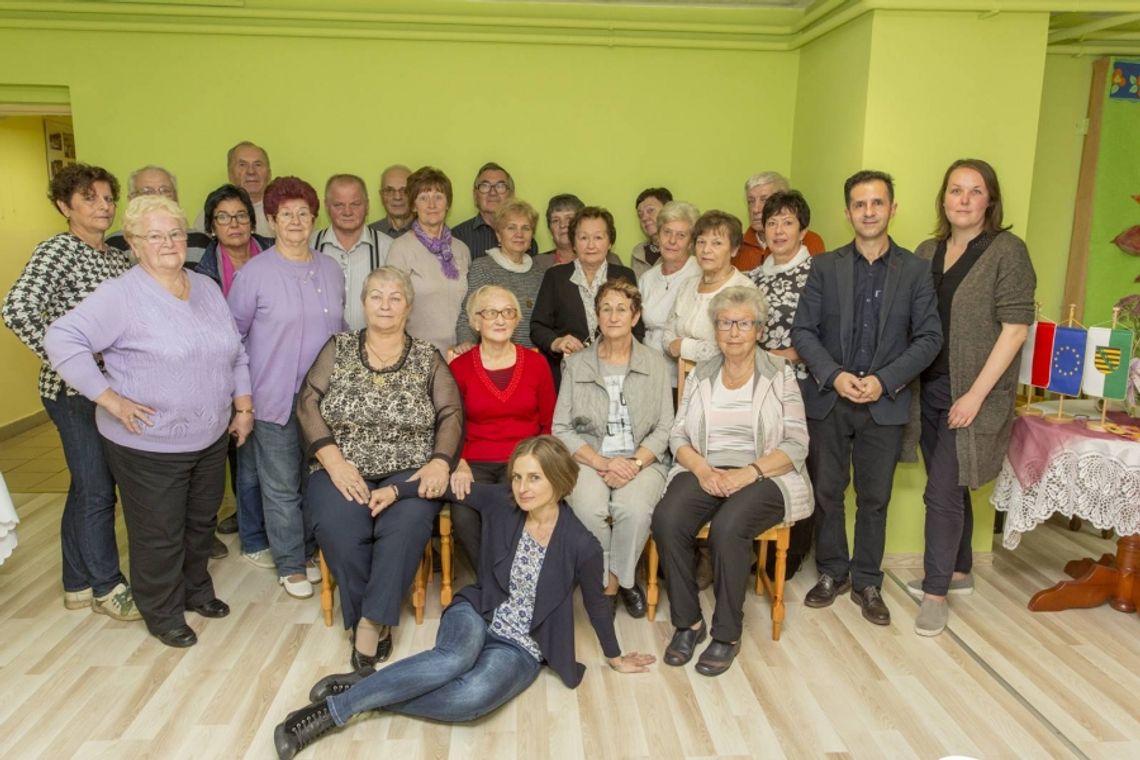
(735, 523)
(466, 525)
(170, 505)
(949, 512)
(849, 438)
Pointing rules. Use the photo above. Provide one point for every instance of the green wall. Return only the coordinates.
(1112, 273)
(1060, 140)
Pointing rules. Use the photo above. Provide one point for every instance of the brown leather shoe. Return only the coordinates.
(717, 657)
(874, 608)
(825, 590)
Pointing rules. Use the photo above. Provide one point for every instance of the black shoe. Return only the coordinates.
(339, 683)
(634, 600)
(685, 640)
(228, 525)
(717, 657)
(180, 637)
(218, 550)
(301, 728)
(361, 661)
(215, 608)
(874, 608)
(825, 590)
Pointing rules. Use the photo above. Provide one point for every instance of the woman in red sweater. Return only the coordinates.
(508, 395)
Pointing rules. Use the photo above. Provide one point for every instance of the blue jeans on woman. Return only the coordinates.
(87, 530)
(250, 517)
(277, 449)
(469, 673)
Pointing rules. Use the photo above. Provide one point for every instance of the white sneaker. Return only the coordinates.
(301, 589)
(262, 558)
(313, 571)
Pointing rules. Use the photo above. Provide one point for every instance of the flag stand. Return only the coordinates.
(1100, 426)
(1061, 416)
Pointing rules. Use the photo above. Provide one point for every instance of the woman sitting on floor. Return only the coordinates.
(488, 647)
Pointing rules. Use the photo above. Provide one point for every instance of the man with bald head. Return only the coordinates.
(247, 165)
(397, 206)
(156, 180)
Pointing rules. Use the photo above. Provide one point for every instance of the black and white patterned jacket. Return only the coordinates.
(62, 272)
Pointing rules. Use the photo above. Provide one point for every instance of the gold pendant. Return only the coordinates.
(378, 380)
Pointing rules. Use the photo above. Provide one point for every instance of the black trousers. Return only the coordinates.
(374, 559)
(949, 512)
(735, 523)
(170, 505)
(849, 439)
(466, 525)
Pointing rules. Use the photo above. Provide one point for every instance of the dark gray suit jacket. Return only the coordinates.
(910, 333)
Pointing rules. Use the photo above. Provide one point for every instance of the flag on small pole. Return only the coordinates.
(1106, 365)
(1066, 362)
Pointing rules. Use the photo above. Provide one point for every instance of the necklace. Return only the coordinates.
(541, 532)
(183, 287)
(382, 362)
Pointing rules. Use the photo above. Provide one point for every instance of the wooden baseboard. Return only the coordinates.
(14, 428)
(913, 560)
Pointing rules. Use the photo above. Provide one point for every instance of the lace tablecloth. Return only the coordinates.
(8, 521)
(1068, 469)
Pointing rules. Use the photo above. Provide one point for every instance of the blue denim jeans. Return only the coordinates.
(250, 517)
(277, 450)
(469, 673)
(87, 530)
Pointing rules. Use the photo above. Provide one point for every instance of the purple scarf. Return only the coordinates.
(440, 248)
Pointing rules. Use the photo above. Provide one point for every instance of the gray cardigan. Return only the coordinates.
(582, 410)
(998, 289)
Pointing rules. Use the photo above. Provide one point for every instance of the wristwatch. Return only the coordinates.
(759, 473)
(640, 464)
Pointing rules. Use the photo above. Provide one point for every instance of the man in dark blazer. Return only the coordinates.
(866, 325)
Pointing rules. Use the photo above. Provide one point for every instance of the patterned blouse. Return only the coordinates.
(62, 272)
(781, 285)
(512, 618)
(384, 420)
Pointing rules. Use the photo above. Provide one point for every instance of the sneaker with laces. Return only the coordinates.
(932, 617)
(296, 586)
(119, 604)
(262, 558)
(77, 600)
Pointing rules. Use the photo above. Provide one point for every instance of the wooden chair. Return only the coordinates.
(446, 556)
(419, 586)
(781, 534)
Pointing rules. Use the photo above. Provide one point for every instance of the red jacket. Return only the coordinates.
(752, 253)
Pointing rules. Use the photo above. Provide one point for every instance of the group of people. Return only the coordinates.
(359, 377)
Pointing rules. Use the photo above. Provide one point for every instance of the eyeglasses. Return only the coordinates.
(223, 218)
(744, 325)
(394, 191)
(301, 216)
(164, 190)
(158, 238)
(489, 314)
(486, 187)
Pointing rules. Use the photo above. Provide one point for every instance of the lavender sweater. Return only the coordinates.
(184, 359)
(285, 311)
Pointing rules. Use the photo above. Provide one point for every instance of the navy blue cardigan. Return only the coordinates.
(573, 558)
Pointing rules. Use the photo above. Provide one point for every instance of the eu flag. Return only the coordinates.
(1068, 360)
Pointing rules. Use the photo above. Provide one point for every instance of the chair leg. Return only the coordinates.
(446, 550)
(651, 577)
(327, 586)
(419, 589)
(761, 566)
(783, 540)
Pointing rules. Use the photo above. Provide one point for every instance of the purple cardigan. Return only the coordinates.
(285, 312)
(184, 359)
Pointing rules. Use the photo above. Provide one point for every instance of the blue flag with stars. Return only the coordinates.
(1068, 362)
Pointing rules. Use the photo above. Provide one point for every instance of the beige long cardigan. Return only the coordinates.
(998, 289)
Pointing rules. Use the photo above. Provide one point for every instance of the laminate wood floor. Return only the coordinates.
(1002, 682)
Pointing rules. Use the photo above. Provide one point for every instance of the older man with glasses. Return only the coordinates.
(155, 180)
(398, 216)
(493, 185)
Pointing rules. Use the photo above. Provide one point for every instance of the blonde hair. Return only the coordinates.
(390, 274)
(513, 207)
(144, 205)
(476, 299)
